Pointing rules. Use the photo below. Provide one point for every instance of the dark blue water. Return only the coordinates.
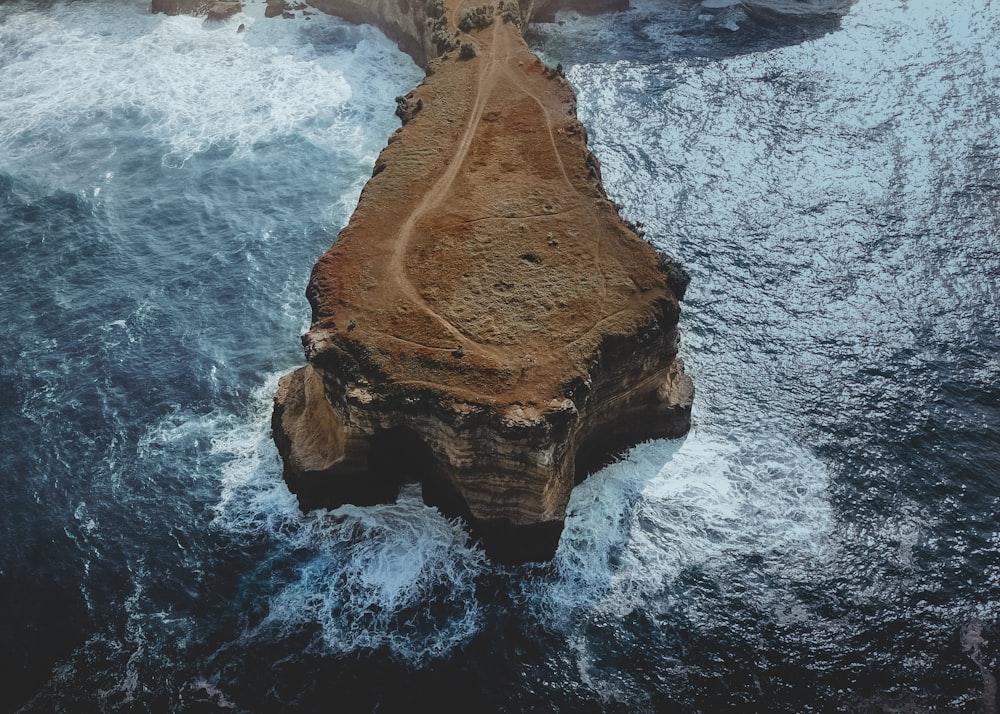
(825, 539)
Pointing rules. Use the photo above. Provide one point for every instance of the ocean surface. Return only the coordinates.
(825, 539)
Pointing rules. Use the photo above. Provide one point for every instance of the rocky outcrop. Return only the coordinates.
(211, 9)
(425, 29)
(486, 324)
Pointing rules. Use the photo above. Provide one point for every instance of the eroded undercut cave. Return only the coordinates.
(398, 456)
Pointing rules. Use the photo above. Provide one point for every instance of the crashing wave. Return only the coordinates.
(783, 7)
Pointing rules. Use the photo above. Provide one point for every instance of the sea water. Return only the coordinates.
(826, 538)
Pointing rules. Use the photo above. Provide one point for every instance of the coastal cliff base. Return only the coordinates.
(210, 9)
(486, 324)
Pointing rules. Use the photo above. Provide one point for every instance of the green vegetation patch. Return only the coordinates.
(477, 18)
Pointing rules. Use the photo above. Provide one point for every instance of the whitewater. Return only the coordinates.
(825, 539)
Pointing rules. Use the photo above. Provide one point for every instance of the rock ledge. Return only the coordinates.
(486, 324)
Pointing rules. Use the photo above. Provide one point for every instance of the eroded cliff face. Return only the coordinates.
(413, 24)
(486, 324)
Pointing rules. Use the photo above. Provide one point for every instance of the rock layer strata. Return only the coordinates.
(485, 324)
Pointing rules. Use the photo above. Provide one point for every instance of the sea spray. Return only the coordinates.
(397, 577)
(825, 537)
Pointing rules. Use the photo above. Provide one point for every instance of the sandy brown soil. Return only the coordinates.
(483, 257)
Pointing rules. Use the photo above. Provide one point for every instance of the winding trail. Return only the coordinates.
(485, 83)
(484, 255)
(498, 49)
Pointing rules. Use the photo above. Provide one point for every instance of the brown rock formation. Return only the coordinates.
(485, 324)
(211, 9)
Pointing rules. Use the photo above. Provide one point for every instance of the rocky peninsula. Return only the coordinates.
(486, 324)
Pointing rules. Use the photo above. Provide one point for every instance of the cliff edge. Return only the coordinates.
(485, 324)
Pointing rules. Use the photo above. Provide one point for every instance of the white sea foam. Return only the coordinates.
(365, 576)
(188, 84)
(706, 502)
(373, 576)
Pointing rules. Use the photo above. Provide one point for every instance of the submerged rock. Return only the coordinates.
(223, 10)
(486, 324)
(211, 9)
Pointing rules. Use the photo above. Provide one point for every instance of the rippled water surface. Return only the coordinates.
(825, 539)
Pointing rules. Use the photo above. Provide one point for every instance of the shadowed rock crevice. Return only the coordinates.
(486, 324)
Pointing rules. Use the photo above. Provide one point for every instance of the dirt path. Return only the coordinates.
(439, 190)
(483, 255)
(497, 49)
